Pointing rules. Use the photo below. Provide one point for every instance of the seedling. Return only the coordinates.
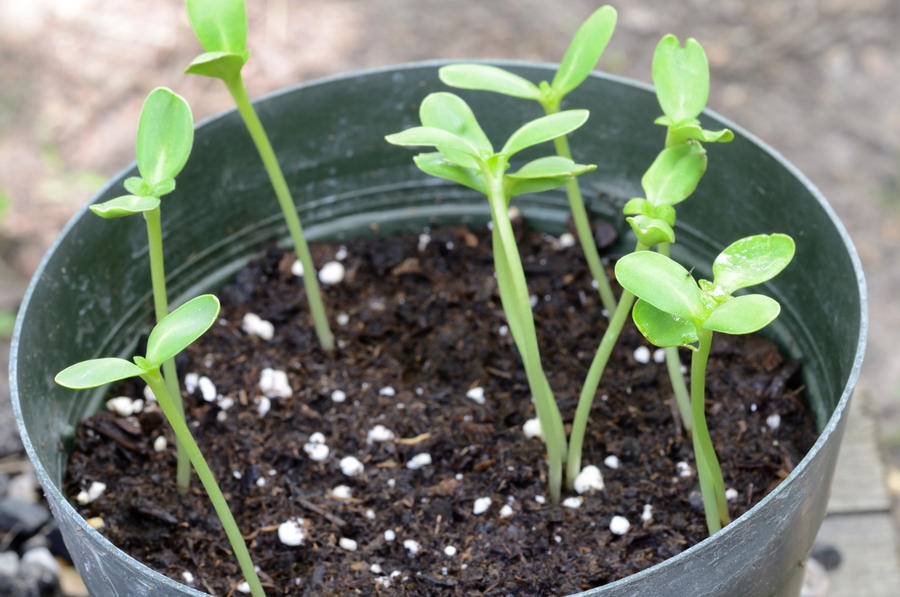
(671, 179)
(165, 136)
(221, 27)
(582, 55)
(465, 155)
(674, 310)
(172, 334)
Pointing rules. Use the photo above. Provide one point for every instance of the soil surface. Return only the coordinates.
(421, 336)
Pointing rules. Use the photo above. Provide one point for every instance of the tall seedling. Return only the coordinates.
(221, 27)
(585, 50)
(465, 155)
(164, 139)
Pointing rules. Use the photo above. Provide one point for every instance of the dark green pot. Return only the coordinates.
(91, 295)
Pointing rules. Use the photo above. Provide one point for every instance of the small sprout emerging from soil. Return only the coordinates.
(172, 334)
(675, 310)
(582, 55)
(221, 28)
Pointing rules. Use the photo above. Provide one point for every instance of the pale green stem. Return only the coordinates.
(289, 209)
(592, 381)
(708, 470)
(161, 307)
(583, 224)
(166, 403)
(673, 365)
(516, 305)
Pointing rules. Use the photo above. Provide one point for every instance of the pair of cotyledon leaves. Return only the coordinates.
(174, 332)
(165, 136)
(672, 306)
(221, 28)
(464, 151)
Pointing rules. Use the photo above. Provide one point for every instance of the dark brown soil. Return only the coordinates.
(428, 325)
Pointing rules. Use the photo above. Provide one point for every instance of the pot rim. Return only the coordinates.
(833, 421)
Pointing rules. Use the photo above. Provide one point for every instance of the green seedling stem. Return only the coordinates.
(161, 308)
(159, 386)
(676, 378)
(164, 140)
(237, 90)
(221, 28)
(592, 382)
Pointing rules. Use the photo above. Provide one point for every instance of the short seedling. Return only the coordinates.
(673, 310)
(174, 332)
(582, 55)
(465, 155)
(165, 136)
(221, 27)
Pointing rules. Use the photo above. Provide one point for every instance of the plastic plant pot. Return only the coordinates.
(349, 182)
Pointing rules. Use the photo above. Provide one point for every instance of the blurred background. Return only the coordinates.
(816, 79)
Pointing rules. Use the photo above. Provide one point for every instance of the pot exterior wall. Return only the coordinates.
(87, 301)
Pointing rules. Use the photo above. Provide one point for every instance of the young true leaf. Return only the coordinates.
(584, 51)
(220, 25)
(651, 231)
(661, 328)
(449, 112)
(551, 166)
(125, 205)
(435, 164)
(693, 130)
(181, 327)
(137, 186)
(661, 282)
(743, 314)
(752, 260)
(164, 137)
(544, 129)
(488, 78)
(681, 78)
(674, 174)
(96, 372)
(435, 137)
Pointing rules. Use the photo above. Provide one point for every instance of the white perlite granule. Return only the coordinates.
(347, 543)
(412, 547)
(612, 461)
(332, 272)
(589, 479)
(207, 389)
(506, 511)
(255, 325)
(160, 444)
(95, 490)
(642, 354)
(532, 427)
(731, 494)
(476, 395)
(351, 466)
(342, 492)
(573, 502)
(338, 396)
(274, 383)
(481, 505)
(418, 461)
(292, 532)
(659, 355)
(647, 514)
(773, 421)
(450, 551)
(379, 433)
(619, 525)
(389, 535)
